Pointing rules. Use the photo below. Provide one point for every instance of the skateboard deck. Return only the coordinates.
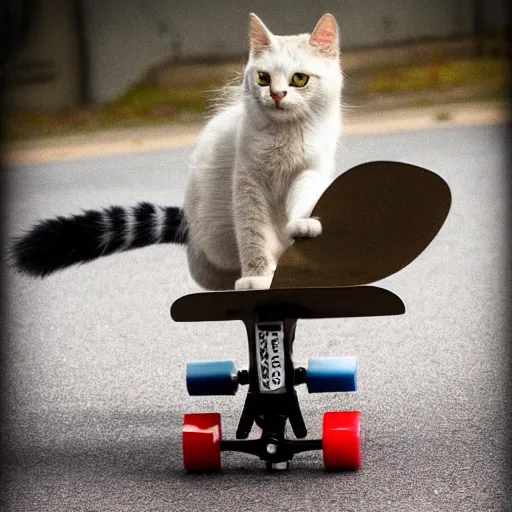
(287, 303)
(376, 218)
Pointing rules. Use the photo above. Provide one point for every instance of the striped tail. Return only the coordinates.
(54, 244)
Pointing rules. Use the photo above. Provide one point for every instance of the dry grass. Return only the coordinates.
(141, 105)
(488, 74)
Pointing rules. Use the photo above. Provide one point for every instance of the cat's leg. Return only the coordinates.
(304, 228)
(208, 275)
(259, 250)
(258, 244)
(303, 196)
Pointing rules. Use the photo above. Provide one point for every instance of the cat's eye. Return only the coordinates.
(299, 80)
(263, 78)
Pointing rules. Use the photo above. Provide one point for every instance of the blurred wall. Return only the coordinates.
(123, 39)
(46, 73)
(127, 36)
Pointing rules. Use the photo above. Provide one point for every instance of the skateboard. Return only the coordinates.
(376, 219)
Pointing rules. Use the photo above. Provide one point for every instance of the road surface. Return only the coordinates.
(95, 367)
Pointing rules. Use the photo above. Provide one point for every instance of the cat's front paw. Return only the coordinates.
(254, 283)
(304, 228)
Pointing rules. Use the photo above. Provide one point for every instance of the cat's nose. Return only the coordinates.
(277, 96)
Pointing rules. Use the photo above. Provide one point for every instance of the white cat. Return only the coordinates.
(258, 168)
(262, 163)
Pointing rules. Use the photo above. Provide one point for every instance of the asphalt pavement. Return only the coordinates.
(95, 367)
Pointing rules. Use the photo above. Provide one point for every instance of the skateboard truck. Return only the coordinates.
(271, 400)
(270, 317)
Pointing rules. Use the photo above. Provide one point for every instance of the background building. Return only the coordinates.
(90, 51)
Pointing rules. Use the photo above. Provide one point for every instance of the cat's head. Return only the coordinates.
(293, 77)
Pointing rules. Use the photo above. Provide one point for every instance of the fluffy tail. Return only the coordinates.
(54, 244)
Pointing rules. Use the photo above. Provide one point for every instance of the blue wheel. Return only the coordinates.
(212, 378)
(328, 374)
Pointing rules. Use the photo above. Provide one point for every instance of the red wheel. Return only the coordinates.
(201, 442)
(341, 441)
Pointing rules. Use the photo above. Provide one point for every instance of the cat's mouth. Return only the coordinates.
(277, 106)
(279, 111)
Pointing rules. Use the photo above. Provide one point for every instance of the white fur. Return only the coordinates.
(258, 169)
(129, 229)
(106, 231)
(159, 225)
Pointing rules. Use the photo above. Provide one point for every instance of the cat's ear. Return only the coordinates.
(259, 35)
(325, 36)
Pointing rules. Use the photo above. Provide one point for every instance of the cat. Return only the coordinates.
(258, 168)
